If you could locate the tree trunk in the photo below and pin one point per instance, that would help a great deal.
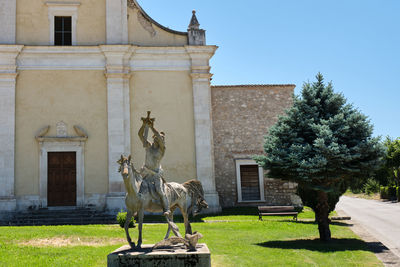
(321, 214)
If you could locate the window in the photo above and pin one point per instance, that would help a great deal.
(250, 182)
(63, 17)
(62, 31)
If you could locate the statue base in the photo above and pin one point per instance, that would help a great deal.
(175, 256)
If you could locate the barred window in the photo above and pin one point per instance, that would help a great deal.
(62, 31)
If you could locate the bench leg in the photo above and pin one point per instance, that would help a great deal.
(260, 217)
(295, 217)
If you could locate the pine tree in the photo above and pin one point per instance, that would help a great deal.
(324, 145)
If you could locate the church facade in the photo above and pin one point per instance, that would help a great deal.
(75, 79)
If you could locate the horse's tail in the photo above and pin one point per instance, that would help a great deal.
(196, 192)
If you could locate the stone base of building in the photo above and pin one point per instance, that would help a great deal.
(146, 257)
(8, 207)
(115, 203)
(8, 204)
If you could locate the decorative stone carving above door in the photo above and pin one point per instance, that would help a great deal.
(61, 128)
(61, 133)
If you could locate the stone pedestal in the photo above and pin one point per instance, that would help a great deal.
(145, 257)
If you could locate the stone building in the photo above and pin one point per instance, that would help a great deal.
(76, 76)
(242, 115)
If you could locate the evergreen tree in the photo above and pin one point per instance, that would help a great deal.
(324, 145)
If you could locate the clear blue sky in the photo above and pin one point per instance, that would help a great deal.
(353, 43)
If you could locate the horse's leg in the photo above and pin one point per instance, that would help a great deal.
(126, 226)
(173, 226)
(140, 215)
(188, 227)
(171, 218)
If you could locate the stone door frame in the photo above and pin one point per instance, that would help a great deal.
(240, 162)
(55, 145)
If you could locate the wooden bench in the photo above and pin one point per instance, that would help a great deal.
(276, 211)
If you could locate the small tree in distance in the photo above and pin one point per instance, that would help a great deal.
(324, 145)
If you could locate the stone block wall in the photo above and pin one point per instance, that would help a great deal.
(242, 115)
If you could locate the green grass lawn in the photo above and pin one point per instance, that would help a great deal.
(239, 240)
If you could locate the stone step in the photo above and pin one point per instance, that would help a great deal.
(61, 217)
(40, 223)
(56, 215)
(60, 222)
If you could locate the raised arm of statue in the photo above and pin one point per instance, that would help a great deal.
(143, 135)
(159, 138)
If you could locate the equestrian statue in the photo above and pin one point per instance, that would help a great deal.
(147, 190)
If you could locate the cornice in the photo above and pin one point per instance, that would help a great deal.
(116, 48)
(201, 76)
(241, 86)
(201, 50)
(8, 76)
(135, 58)
(63, 3)
(61, 50)
(10, 48)
(61, 58)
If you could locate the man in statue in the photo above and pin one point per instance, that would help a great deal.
(151, 170)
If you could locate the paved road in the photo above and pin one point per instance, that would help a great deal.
(381, 219)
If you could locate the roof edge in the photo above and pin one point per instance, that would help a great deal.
(155, 22)
(254, 85)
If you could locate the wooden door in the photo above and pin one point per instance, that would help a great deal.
(61, 179)
(250, 182)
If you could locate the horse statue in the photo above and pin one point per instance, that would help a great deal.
(140, 198)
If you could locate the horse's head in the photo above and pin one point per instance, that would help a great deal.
(125, 165)
(201, 204)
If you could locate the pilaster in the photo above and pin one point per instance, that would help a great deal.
(201, 76)
(8, 13)
(118, 109)
(8, 75)
(116, 21)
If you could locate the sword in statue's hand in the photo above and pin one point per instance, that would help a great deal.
(147, 121)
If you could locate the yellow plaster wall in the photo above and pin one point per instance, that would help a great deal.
(91, 25)
(33, 22)
(168, 95)
(47, 97)
(138, 35)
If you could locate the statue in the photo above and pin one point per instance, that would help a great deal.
(151, 170)
(148, 191)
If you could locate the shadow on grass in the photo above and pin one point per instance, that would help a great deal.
(342, 244)
(313, 222)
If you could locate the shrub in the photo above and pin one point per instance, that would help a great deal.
(121, 218)
(371, 186)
